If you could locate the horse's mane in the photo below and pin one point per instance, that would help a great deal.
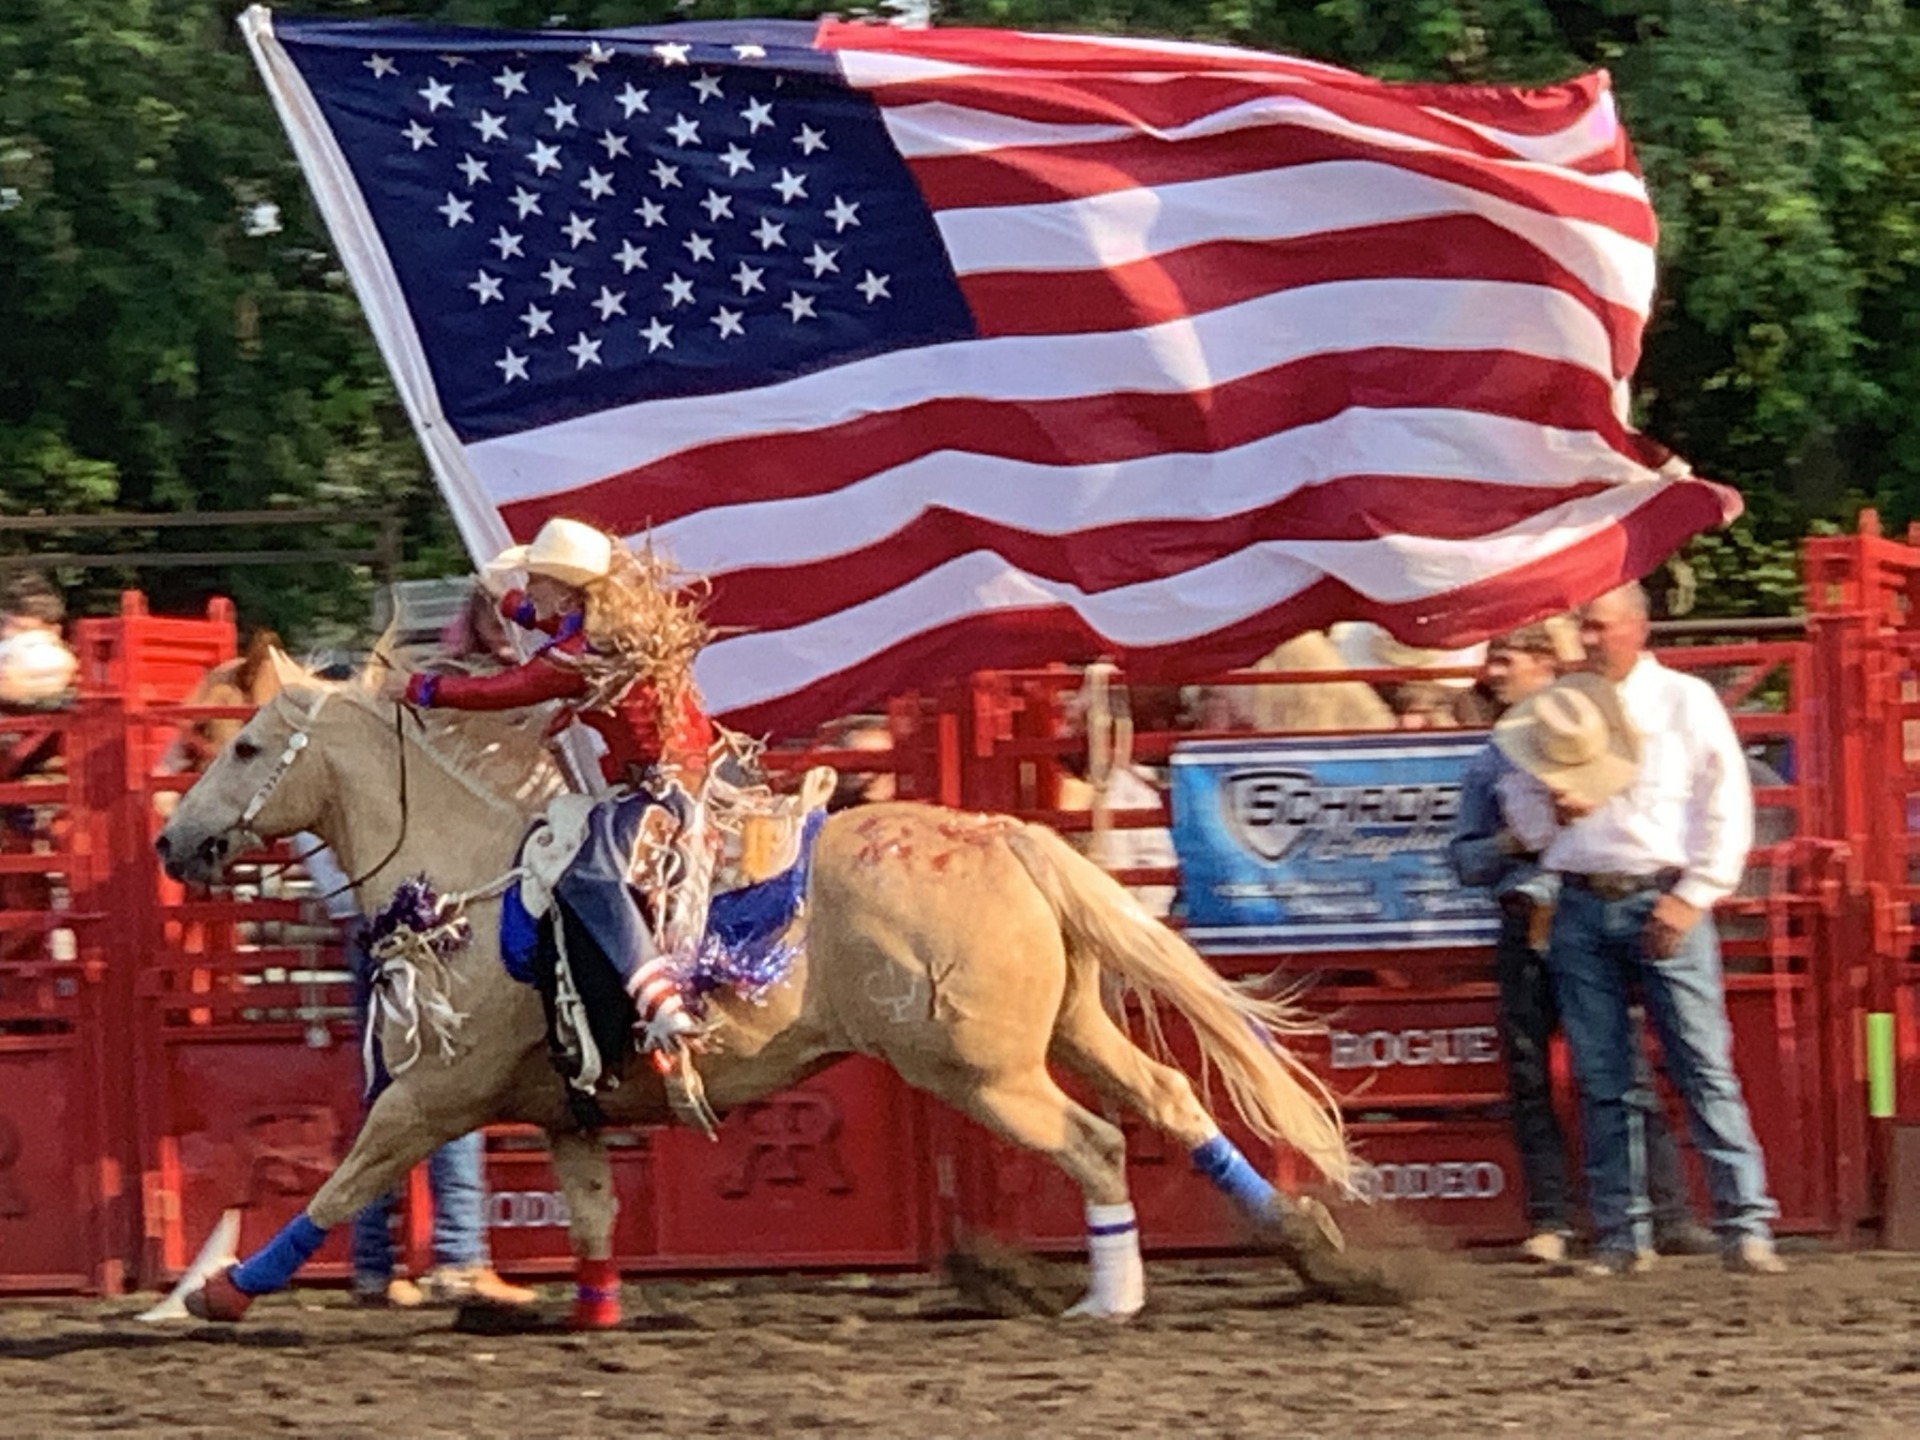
(500, 758)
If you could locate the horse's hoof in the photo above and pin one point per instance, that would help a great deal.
(1089, 1308)
(594, 1313)
(219, 1300)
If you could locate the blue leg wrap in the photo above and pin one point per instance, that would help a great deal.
(272, 1266)
(1220, 1160)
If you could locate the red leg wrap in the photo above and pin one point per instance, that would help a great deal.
(219, 1299)
(596, 1300)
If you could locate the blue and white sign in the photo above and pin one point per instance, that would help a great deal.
(1324, 844)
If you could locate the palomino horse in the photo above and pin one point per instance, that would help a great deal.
(964, 950)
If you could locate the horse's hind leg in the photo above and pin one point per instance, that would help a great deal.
(1088, 1041)
(396, 1136)
(1031, 1110)
(581, 1165)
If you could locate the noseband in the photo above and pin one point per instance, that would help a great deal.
(297, 742)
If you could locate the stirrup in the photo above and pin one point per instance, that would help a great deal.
(686, 1092)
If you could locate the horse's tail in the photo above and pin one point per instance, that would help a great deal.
(1241, 1036)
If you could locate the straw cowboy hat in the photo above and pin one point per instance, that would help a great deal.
(1574, 737)
(566, 550)
(1366, 646)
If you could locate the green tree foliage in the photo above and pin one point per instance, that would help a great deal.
(176, 334)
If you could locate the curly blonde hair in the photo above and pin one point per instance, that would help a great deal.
(644, 616)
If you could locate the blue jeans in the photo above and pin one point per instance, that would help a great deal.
(1599, 959)
(456, 1176)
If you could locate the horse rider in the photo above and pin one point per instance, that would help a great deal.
(621, 641)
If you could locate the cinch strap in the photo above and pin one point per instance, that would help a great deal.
(1220, 1160)
(272, 1267)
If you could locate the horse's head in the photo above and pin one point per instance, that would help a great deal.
(263, 785)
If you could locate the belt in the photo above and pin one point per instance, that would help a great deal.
(1611, 886)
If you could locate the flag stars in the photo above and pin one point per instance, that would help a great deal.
(562, 114)
(770, 232)
(457, 211)
(508, 244)
(381, 66)
(708, 86)
(438, 95)
(874, 287)
(585, 351)
(679, 291)
(651, 213)
(485, 287)
(632, 101)
(614, 145)
(758, 115)
(545, 157)
(657, 335)
(727, 322)
(538, 321)
(578, 231)
(810, 140)
(511, 82)
(843, 214)
(558, 277)
(750, 52)
(512, 367)
(736, 159)
(672, 53)
(524, 202)
(586, 70)
(418, 136)
(799, 306)
(821, 261)
(685, 132)
(491, 127)
(609, 303)
(598, 184)
(474, 170)
(792, 187)
(632, 257)
(666, 176)
(718, 207)
(698, 246)
(747, 277)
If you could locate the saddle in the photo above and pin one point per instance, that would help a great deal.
(759, 881)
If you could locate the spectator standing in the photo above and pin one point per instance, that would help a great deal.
(1485, 853)
(37, 669)
(1634, 786)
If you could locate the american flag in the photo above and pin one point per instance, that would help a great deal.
(941, 350)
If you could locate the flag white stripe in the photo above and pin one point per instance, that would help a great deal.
(1059, 500)
(1189, 355)
(752, 669)
(935, 128)
(1123, 226)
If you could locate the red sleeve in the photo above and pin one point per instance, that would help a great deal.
(531, 683)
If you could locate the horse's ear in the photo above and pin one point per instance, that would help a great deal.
(290, 673)
(380, 662)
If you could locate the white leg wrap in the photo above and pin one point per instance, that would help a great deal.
(1117, 1285)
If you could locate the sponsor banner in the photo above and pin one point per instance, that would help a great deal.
(1324, 844)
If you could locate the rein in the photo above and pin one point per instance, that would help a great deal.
(297, 742)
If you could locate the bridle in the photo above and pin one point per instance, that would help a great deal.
(297, 743)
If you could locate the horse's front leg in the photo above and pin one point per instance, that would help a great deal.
(397, 1136)
(586, 1180)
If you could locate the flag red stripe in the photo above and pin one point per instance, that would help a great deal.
(1045, 174)
(1168, 105)
(1201, 278)
(1535, 111)
(1091, 429)
(1006, 640)
(1353, 508)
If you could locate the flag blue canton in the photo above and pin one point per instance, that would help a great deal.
(583, 221)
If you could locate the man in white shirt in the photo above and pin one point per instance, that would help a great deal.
(1644, 809)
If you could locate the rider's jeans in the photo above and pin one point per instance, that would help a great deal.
(1598, 957)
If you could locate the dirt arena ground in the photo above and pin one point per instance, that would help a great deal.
(1224, 1348)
